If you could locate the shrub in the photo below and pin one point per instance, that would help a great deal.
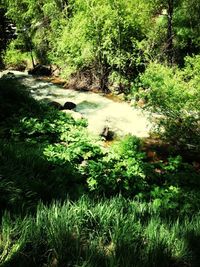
(121, 170)
(41, 149)
(15, 58)
(174, 94)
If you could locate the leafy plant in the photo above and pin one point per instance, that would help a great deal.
(16, 59)
(173, 94)
(119, 171)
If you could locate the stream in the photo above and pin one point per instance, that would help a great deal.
(100, 111)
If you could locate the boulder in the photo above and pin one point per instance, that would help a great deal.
(40, 70)
(20, 67)
(69, 105)
(55, 70)
(55, 104)
(107, 134)
(9, 75)
(141, 102)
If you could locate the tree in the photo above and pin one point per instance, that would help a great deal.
(110, 35)
(33, 21)
(177, 23)
(7, 32)
(187, 29)
(2, 34)
(170, 13)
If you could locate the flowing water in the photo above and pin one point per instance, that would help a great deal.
(100, 111)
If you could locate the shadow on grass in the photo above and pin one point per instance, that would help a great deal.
(192, 239)
(26, 128)
(28, 175)
(75, 252)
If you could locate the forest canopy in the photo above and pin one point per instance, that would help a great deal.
(114, 39)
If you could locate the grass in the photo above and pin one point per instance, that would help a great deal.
(28, 177)
(99, 233)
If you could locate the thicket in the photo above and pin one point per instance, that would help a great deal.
(173, 94)
(112, 41)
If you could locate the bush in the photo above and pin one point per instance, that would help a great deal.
(174, 94)
(41, 149)
(121, 170)
(109, 39)
(16, 59)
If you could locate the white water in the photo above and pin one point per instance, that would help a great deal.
(98, 110)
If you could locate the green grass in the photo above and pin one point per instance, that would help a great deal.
(99, 233)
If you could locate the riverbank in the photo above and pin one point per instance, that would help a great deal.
(119, 98)
(100, 111)
(67, 200)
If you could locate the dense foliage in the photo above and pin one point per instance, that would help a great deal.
(113, 40)
(65, 198)
(47, 154)
(175, 94)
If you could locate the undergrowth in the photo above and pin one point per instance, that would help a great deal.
(67, 201)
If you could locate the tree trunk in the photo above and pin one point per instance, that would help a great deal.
(2, 35)
(170, 11)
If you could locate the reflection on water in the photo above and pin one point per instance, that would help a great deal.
(100, 111)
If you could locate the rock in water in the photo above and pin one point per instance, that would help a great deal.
(107, 134)
(9, 75)
(69, 105)
(40, 70)
(56, 105)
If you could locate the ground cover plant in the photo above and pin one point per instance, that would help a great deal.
(137, 212)
(28, 129)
